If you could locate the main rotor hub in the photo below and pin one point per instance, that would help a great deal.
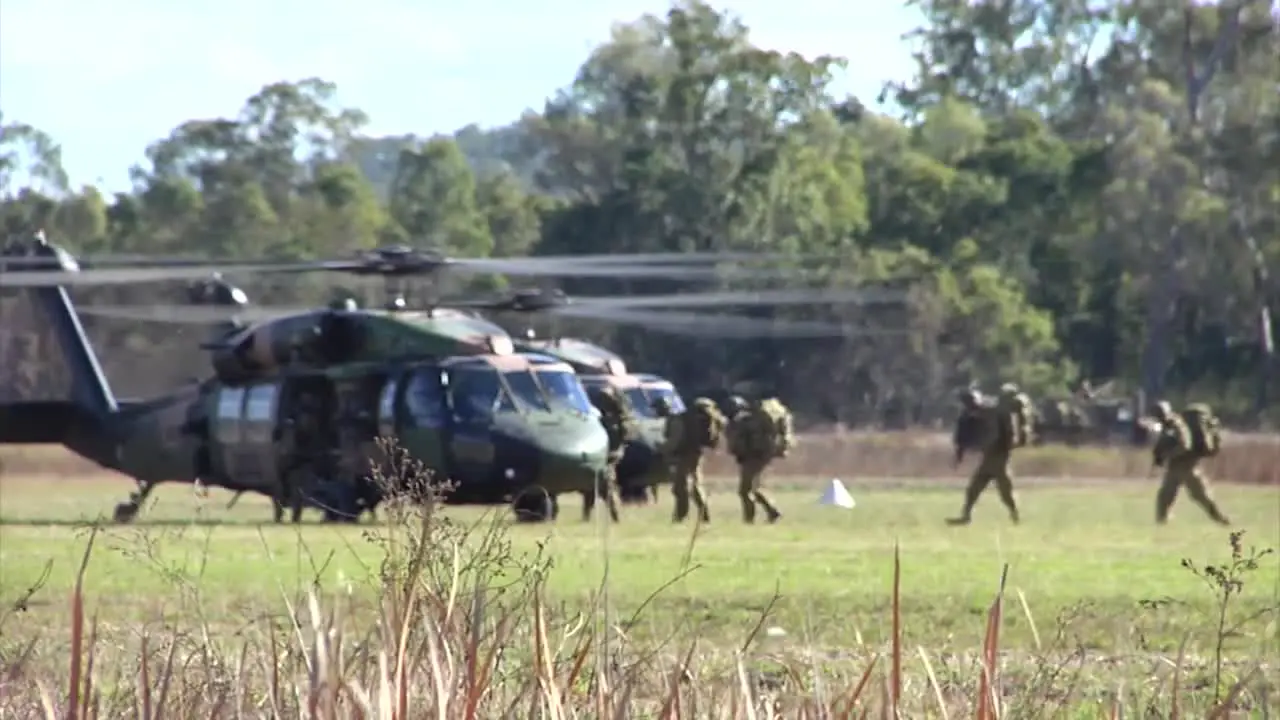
(400, 261)
(535, 300)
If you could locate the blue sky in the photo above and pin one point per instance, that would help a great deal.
(106, 79)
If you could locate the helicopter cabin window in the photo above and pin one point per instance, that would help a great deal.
(424, 399)
(230, 404)
(387, 408)
(259, 413)
(527, 390)
(565, 388)
(477, 393)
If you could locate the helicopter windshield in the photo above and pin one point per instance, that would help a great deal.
(527, 390)
(565, 388)
(477, 394)
(640, 403)
(677, 403)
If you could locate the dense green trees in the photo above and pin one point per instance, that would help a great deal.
(1075, 188)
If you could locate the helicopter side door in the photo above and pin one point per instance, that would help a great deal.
(227, 432)
(419, 417)
(474, 397)
(259, 466)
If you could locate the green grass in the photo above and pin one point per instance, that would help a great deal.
(1084, 569)
(1091, 549)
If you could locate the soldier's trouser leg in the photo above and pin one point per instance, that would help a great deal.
(680, 493)
(695, 493)
(977, 485)
(1198, 488)
(1004, 485)
(750, 480)
(604, 488)
(1168, 492)
(746, 485)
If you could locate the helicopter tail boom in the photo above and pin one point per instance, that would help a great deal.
(52, 389)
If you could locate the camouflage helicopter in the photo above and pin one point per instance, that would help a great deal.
(298, 396)
(598, 367)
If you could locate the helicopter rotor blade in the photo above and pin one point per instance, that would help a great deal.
(190, 314)
(743, 298)
(723, 326)
(528, 267)
(655, 258)
(130, 276)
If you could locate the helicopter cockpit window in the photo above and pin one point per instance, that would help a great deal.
(476, 394)
(677, 403)
(641, 405)
(424, 399)
(566, 389)
(527, 390)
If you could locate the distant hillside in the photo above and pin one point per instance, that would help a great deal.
(489, 151)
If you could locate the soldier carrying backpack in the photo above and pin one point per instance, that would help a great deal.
(620, 425)
(759, 434)
(994, 428)
(686, 436)
(1184, 440)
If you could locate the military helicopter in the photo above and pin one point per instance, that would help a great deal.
(298, 396)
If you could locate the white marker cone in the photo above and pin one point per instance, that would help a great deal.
(837, 494)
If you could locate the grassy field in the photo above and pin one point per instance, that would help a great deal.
(1099, 606)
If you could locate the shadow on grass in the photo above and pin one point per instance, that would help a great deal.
(84, 524)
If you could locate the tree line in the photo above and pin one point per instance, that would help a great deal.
(1074, 190)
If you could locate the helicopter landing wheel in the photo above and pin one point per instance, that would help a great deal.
(533, 505)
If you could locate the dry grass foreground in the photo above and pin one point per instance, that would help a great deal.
(1245, 459)
(466, 616)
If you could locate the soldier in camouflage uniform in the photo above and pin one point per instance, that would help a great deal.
(752, 445)
(1174, 452)
(980, 427)
(620, 425)
(684, 457)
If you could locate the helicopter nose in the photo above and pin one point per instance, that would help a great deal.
(574, 457)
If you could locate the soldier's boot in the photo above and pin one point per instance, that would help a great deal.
(770, 510)
(1210, 507)
(971, 494)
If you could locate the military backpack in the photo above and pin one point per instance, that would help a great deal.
(705, 423)
(1020, 419)
(1205, 429)
(780, 435)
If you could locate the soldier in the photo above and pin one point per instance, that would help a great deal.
(754, 441)
(684, 458)
(1175, 451)
(620, 425)
(982, 428)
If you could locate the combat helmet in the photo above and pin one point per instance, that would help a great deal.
(969, 397)
(1163, 410)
